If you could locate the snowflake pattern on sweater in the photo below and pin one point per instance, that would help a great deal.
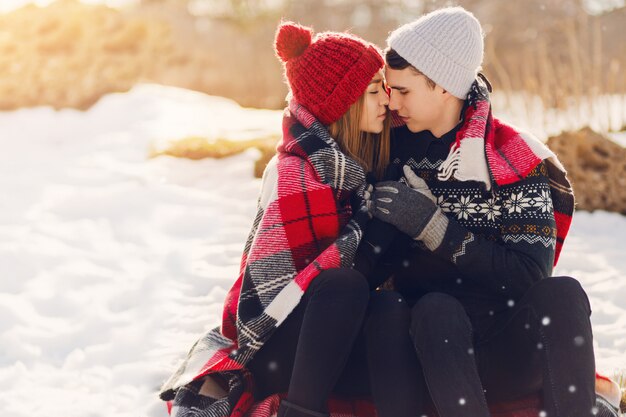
(511, 213)
(503, 237)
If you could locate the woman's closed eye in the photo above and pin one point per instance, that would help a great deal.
(381, 88)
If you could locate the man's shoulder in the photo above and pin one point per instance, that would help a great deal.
(506, 134)
(506, 131)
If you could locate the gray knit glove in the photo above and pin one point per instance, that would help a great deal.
(367, 200)
(413, 210)
(417, 183)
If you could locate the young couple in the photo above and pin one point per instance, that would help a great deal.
(459, 215)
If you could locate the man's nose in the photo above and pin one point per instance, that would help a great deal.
(394, 102)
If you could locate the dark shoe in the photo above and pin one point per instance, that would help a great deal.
(287, 409)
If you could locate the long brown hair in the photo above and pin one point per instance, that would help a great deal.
(370, 150)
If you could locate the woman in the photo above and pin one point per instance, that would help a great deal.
(296, 286)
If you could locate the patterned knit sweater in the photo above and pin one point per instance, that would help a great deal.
(498, 243)
(501, 238)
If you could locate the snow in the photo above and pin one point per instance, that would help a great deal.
(593, 254)
(113, 263)
(619, 137)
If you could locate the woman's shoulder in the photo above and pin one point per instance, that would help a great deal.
(293, 172)
(290, 164)
(284, 174)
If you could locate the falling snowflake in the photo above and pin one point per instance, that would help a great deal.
(545, 321)
(462, 401)
(579, 340)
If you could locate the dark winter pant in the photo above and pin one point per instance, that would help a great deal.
(543, 343)
(323, 348)
(311, 354)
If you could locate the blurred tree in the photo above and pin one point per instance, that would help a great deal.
(236, 11)
(553, 49)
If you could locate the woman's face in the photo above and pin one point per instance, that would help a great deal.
(374, 105)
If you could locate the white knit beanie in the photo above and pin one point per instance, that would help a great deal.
(445, 45)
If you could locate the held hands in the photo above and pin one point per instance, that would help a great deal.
(410, 209)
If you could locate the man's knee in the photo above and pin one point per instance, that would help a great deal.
(438, 315)
(560, 294)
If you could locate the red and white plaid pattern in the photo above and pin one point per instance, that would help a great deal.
(304, 225)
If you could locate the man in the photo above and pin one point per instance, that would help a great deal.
(483, 219)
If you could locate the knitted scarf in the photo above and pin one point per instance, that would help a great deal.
(304, 225)
(490, 151)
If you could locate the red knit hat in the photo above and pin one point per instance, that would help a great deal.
(326, 74)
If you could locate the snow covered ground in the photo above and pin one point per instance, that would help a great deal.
(112, 263)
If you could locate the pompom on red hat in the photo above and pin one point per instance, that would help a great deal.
(328, 73)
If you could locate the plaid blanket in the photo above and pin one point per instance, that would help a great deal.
(304, 225)
(529, 406)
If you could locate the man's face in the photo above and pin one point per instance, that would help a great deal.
(419, 105)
